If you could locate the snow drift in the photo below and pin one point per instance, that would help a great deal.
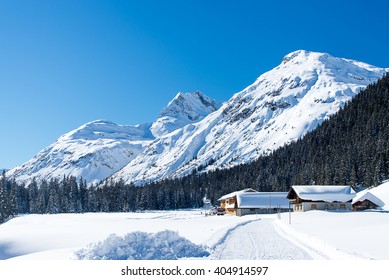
(163, 245)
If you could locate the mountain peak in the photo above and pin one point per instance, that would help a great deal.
(183, 109)
(298, 53)
(190, 105)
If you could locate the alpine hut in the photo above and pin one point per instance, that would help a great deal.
(304, 198)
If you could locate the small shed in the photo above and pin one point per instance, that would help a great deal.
(366, 200)
(314, 197)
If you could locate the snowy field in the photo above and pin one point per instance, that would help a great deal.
(191, 234)
(339, 235)
(58, 236)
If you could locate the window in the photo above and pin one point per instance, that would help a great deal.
(313, 206)
(326, 206)
(343, 206)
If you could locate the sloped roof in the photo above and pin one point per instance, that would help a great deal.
(366, 194)
(236, 193)
(262, 200)
(323, 193)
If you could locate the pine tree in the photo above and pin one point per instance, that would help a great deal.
(53, 202)
(33, 196)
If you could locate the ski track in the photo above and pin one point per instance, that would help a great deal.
(257, 240)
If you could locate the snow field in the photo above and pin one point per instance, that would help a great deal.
(58, 236)
(338, 235)
(190, 234)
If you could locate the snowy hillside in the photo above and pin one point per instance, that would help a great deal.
(281, 106)
(98, 149)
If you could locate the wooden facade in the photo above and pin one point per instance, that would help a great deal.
(364, 205)
(229, 201)
(366, 200)
(305, 198)
(249, 201)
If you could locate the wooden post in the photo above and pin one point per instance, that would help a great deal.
(290, 214)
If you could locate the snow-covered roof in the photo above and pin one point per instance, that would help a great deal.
(366, 194)
(382, 191)
(262, 200)
(230, 195)
(323, 193)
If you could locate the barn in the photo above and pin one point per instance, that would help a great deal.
(314, 197)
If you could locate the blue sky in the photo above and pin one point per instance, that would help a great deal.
(64, 63)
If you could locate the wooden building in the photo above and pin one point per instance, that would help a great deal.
(365, 200)
(249, 201)
(228, 201)
(261, 203)
(305, 198)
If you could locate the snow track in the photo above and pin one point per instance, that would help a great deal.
(258, 240)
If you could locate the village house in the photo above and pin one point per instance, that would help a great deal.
(228, 201)
(366, 200)
(305, 198)
(250, 201)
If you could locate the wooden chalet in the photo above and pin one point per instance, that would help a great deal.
(228, 201)
(365, 200)
(250, 201)
(305, 198)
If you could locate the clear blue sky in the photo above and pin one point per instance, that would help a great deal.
(64, 63)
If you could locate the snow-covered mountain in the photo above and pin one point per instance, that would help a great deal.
(93, 151)
(182, 110)
(195, 133)
(98, 149)
(281, 106)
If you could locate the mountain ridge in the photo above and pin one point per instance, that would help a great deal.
(280, 107)
(99, 148)
(195, 133)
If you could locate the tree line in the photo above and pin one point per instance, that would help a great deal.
(70, 195)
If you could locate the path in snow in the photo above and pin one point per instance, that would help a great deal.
(258, 240)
